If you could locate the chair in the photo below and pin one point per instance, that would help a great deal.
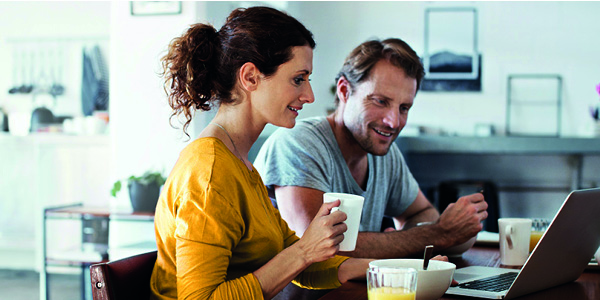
(127, 278)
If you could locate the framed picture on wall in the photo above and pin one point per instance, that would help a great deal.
(451, 57)
(152, 8)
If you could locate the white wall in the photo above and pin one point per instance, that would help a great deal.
(41, 171)
(514, 38)
(141, 136)
(40, 29)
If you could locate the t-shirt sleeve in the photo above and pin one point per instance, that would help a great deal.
(299, 159)
(321, 275)
(404, 191)
(206, 231)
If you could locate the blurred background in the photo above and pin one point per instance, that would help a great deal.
(82, 105)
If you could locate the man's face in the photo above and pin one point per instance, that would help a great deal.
(376, 109)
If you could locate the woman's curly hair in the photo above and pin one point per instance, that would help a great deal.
(201, 66)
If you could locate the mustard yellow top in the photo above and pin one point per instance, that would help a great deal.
(215, 225)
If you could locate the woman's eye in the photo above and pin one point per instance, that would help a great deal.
(298, 80)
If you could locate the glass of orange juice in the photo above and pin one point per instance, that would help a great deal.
(387, 283)
(538, 227)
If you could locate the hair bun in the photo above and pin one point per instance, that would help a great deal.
(202, 35)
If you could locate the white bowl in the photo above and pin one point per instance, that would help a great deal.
(431, 283)
(458, 250)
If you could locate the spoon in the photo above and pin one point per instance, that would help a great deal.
(427, 257)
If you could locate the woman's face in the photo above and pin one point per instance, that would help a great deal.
(279, 98)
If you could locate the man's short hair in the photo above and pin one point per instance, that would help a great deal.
(361, 60)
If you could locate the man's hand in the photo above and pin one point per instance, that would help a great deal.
(462, 220)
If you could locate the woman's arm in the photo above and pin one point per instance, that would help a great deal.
(353, 268)
(319, 242)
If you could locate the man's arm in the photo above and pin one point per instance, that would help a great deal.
(459, 222)
(298, 206)
(421, 210)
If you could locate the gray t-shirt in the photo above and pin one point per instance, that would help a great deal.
(308, 156)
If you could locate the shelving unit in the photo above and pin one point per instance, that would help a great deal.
(94, 247)
(534, 105)
(533, 174)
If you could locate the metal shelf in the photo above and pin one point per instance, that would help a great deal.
(79, 258)
(505, 145)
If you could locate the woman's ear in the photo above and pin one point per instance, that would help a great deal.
(343, 89)
(249, 76)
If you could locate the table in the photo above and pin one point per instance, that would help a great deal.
(587, 286)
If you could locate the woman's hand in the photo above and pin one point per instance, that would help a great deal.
(440, 258)
(324, 234)
(320, 242)
(445, 258)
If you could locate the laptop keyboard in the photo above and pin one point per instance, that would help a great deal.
(495, 283)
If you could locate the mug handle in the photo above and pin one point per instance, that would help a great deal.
(509, 231)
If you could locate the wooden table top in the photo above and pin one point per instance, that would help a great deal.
(587, 286)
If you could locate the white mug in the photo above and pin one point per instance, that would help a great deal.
(352, 206)
(514, 240)
(19, 123)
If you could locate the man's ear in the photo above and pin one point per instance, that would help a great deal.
(249, 76)
(343, 89)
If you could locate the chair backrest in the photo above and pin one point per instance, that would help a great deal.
(127, 278)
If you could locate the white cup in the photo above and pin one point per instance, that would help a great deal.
(19, 123)
(514, 240)
(93, 125)
(352, 206)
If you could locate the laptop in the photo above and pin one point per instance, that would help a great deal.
(561, 255)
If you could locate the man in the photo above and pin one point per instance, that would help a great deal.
(353, 151)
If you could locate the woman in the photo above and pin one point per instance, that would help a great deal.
(218, 235)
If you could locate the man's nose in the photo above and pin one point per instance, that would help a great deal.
(392, 119)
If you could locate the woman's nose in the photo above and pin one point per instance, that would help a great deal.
(307, 95)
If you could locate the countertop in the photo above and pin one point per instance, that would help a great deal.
(431, 144)
(54, 138)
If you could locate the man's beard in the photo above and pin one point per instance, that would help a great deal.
(365, 141)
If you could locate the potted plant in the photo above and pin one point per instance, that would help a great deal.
(143, 190)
